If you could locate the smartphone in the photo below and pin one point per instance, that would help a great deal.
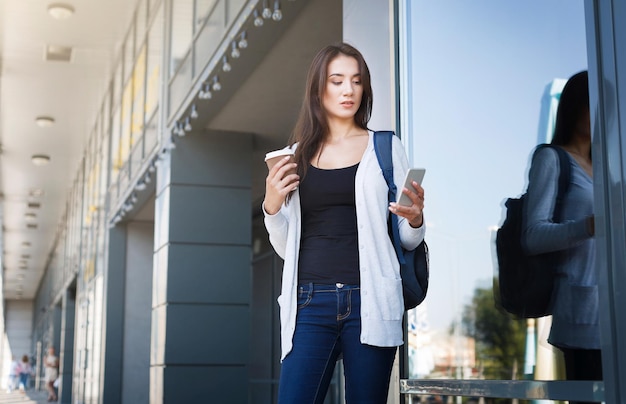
(414, 174)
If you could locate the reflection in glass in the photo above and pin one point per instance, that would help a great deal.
(204, 9)
(182, 32)
(476, 74)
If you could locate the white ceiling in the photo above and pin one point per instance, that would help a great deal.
(68, 92)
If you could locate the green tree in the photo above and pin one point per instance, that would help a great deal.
(500, 338)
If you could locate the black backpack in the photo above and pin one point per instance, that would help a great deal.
(525, 282)
(414, 264)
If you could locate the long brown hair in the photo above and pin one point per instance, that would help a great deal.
(574, 102)
(312, 125)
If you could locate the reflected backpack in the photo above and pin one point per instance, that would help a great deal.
(525, 282)
(414, 264)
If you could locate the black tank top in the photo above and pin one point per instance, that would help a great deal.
(329, 242)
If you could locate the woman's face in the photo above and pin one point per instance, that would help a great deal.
(343, 93)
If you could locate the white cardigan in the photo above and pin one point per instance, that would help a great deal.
(382, 305)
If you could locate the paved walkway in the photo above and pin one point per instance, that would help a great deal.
(31, 397)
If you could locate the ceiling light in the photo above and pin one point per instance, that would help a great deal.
(234, 53)
(258, 20)
(205, 92)
(277, 15)
(225, 65)
(30, 216)
(44, 121)
(216, 86)
(243, 42)
(26, 244)
(194, 112)
(267, 12)
(35, 193)
(58, 53)
(140, 186)
(60, 11)
(40, 159)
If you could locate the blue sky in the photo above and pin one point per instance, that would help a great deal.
(478, 73)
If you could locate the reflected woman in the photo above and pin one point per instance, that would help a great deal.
(575, 326)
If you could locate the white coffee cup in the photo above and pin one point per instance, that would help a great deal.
(275, 156)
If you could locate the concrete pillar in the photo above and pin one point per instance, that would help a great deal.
(113, 325)
(66, 353)
(137, 313)
(202, 271)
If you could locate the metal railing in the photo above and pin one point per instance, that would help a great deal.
(513, 389)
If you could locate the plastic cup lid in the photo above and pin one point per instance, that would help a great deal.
(278, 153)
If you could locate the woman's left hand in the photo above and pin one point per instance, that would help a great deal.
(414, 213)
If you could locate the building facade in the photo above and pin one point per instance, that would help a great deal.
(161, 283)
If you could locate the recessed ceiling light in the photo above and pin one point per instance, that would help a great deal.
(40, 159)
(57, 53)
(30, 216)
(26, 244)
(60, 11)
(36, 192)
(44, 121)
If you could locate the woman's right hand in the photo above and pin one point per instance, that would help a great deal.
(279, 184)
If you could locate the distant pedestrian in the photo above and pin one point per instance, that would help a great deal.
(14, 374)
(51, 363)
(25, 372)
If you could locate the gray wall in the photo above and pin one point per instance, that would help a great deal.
(137, 313)
(202, 271)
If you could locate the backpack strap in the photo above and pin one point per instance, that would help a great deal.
(564, 177)
(382, 146)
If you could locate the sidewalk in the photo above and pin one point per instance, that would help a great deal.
(31, 397)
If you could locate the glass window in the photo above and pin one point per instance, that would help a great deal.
(129, 52)
(155, 52)
(210, 37)
(142, 23)
(139, 95)
(204, 9)
(126, 120)
(479, 77)
(182, 32)
(117, 86)
(116, 158)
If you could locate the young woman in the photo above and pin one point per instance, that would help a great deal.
(25, 372)
(51, 363)
(341, 288)
(575, 326)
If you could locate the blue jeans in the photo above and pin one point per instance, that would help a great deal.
(328, 325)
